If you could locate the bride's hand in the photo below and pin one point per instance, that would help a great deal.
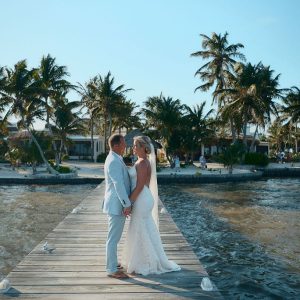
(127, 211)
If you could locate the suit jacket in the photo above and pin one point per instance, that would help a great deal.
(117, 185)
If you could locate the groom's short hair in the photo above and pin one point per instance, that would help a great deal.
(115, 139)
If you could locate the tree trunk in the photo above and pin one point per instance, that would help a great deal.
(49, 168)
(296, 139)
(253, 139)
(60, 150)
(92, 138)
(105, 135)
(245, 135)
(33, 165)
(51, 134)
(192, 156)
(233, 131)
(202, 149)
(167, 155)
(110, 124)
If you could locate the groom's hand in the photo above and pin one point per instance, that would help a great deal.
(127, 211)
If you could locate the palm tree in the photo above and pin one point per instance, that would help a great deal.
(231, 155)
(127, 116)
(89, 101)
(164, 114)
(252, 92)
(2, 79)
(66, 122)
(276, 135)
(24, 103)
(221, 63)
(3, 83)
(50, 82)
(292, 104)
(291, 110)
(196, 127)
(107, 100)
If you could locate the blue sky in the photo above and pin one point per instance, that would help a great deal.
(147, 44)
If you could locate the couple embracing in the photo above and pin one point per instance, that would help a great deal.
(133, 192)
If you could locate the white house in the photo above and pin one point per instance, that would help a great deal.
(81, 147)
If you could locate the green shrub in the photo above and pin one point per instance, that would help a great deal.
(101, 157)
(3, 149)
(51, 162)
(59, 169)
(296, 157)
(65, 157)
(231, 155)
(63, 169)
(257, 159)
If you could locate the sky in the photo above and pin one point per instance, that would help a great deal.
(146, 45)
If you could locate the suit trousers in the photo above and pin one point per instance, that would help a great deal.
(115, 229)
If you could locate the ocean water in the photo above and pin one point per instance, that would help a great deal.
(29, 213)
(247, 235)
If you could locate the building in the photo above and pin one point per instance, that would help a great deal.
(81, 147)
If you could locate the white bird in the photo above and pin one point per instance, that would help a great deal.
(4, 286)
(163, 211)
(206, 284)
(75, 210)
(48, 248)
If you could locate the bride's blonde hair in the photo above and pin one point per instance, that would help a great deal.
(143, 140)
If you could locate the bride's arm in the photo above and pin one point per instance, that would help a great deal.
(141, 170)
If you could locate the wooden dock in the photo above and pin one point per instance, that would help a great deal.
(76, 268)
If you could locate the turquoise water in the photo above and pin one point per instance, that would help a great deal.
(247, 235)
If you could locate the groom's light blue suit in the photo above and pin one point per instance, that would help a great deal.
(117, 189)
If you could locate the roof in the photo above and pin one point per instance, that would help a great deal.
(84, 137)
(136, 132)
(20, 135)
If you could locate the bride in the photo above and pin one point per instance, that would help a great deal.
(143, 251)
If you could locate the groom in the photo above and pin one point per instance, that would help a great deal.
(116, 203)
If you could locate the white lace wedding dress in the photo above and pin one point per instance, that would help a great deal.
(143, 250)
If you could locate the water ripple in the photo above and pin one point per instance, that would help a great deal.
(237, 231)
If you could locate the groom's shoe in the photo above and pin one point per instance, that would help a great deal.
(118, 275)
(120, 267)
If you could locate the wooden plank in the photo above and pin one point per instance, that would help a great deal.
(76, 268)
(94, 266)
(190, 267)
(167, 295)
(185, 277)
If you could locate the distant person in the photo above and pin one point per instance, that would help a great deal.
(177, 163)
(278, 156)
(172, 165)
(282, 155)
(290, 154)
(202, 162)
